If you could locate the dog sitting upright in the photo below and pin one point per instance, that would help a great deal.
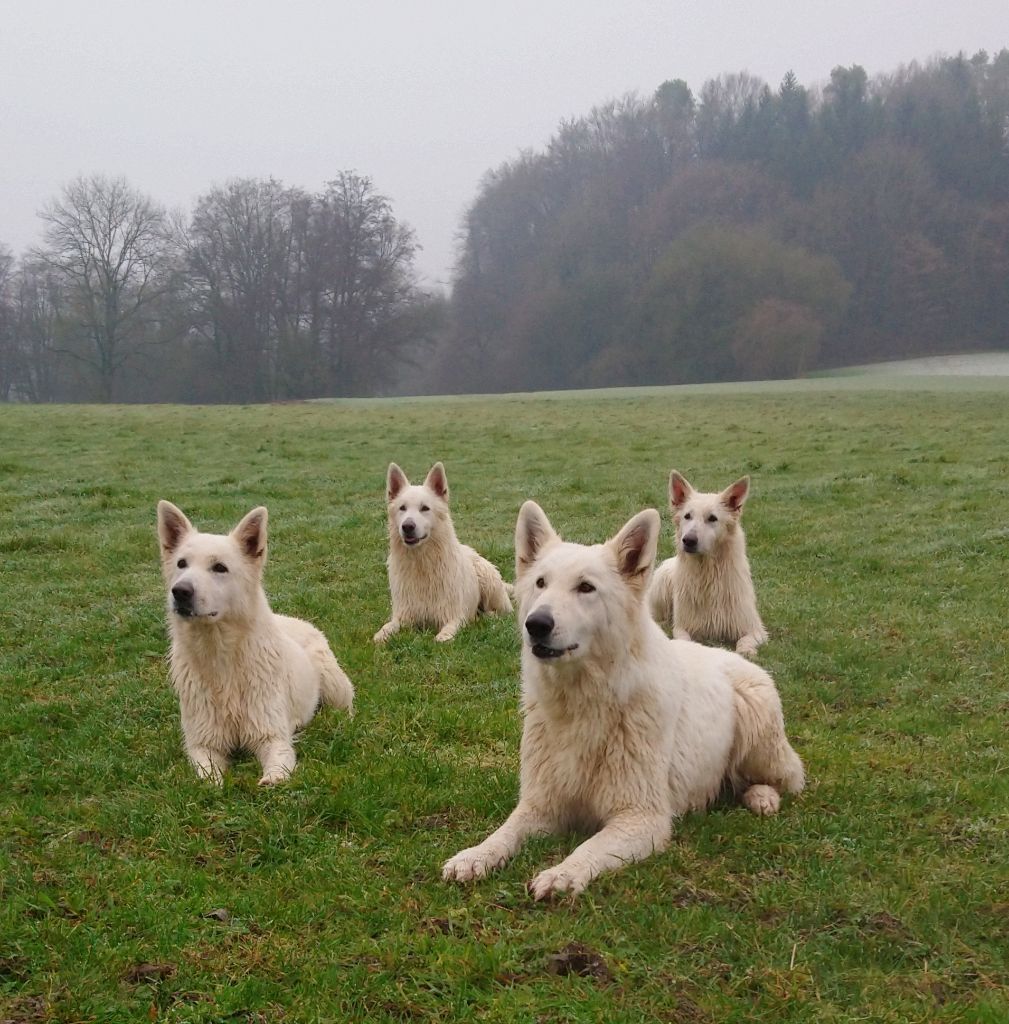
(706, 593)
(433, 579)
(246, 678)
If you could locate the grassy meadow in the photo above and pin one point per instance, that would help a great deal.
(131, 891)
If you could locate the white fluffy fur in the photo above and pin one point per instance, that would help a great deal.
(434, 581)
(706, 594)
(624, 729)
(246, 678)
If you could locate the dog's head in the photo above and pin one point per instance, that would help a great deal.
(211, 577)
(415, 511)
(705, 521)
(577, 601)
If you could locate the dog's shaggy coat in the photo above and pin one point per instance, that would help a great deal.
(246, 678)
(705, 593)
(433, 579)
(624, 728)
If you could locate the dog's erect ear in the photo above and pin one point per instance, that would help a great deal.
(395, 481)
(734, 496)
(251, 533)
(172, 526)
(533, 533)
(679, 489)
(635, 545)
(437, 481)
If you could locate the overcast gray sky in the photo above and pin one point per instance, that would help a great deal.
(424, 97)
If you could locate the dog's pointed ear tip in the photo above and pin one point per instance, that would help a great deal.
(172, 517)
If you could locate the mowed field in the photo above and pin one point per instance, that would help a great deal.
(131, 891)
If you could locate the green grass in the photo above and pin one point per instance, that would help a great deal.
(878, 537)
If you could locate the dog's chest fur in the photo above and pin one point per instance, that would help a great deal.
(594, 758)
(713, 596)
(433, 583)
(233, 689)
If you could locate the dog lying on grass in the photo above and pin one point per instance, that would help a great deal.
(705, 593)
(433, 579)
(624, 729)
(246, 678)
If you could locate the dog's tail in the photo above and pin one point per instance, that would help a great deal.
(495, 594)
(335, 687)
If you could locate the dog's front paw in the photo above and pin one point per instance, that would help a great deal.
(468, 865)
(384, 633)
(446, 634)
(747, 647)
(680, 634)
(207, 766)
(210, 773)
(560, 879)
(271, 776)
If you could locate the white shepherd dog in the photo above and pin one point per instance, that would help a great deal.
(625, 729)
(705, 593)
(246, 678)
(433, 579)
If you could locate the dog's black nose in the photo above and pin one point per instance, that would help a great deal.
(690, 543)
(540, 624)
(183, 593)
(409, 528)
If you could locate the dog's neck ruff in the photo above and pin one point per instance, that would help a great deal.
(433, 548)
(733, 542)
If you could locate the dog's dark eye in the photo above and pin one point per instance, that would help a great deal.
(424, 508)
(182, 563)
(689, 515)
(218, 567)
(402, 508)
(541, 583)
(712, 519)
(586, 588)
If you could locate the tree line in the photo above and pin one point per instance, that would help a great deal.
(746, 232)
(265, 292)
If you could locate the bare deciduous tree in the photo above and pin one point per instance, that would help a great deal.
(109, 246)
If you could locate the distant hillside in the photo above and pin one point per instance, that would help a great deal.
(977, 364)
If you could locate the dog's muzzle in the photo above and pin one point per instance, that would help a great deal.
(408, 531)
(539, 625)
(690, 544)
(184, 603)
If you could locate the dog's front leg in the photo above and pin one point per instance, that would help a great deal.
(499, 847)
(278, 761)
(747, 645)
(622, 840)
(209, 764)
(680, 634)
(449, 630)
(388, 630)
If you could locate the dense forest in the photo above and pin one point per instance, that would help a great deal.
(745, 232)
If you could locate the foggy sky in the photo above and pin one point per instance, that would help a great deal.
(423, 97)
